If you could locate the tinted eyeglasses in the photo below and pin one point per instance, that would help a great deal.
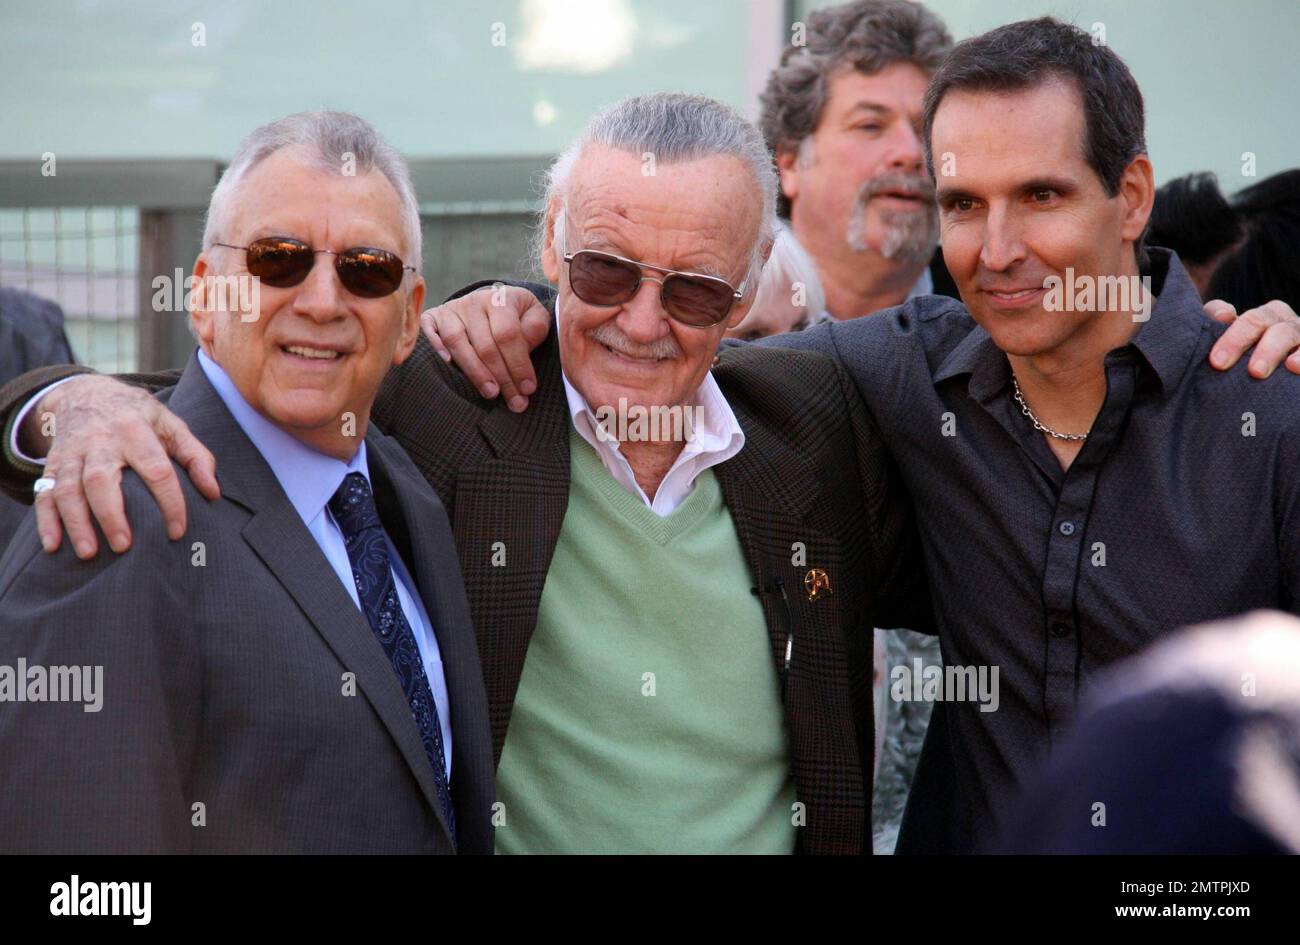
(282, 262)
(691, 298)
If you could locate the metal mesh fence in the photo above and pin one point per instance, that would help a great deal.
(86, 259)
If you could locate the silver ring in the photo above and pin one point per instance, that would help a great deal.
(44, 484)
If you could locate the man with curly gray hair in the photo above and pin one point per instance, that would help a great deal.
(842, 115)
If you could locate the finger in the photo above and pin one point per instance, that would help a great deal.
(102, 479)
(47, 521)
(184, 447)
(147, 457)
(430, 328)
(451, 327)
(535, 325)
(1221, 311)
(1280, 341)
(70, 499)
(512, 354)
(485, 346)
(1234, 342)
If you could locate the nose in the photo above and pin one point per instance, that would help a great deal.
(642, 317)
(320, 295)
(905, 150)
(1002, 247)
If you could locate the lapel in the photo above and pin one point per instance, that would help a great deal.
(513, 503)
(280, 539)
(769, 478)
(405, 500)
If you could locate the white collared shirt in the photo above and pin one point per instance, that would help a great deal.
(715, 439)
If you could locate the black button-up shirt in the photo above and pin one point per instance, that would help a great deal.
(1182, 506)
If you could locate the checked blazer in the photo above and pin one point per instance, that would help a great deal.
(812, 489)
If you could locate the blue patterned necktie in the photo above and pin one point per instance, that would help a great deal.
(353, 507)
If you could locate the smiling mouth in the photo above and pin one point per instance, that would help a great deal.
(629, 357)
(1017, 296)
(311, 354)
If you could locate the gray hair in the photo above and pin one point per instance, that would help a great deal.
(787, 267)
(866, 36)
(331, 141)
(676, 128)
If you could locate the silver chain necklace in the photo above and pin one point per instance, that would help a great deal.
(1038, 424)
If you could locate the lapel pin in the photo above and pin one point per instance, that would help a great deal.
(816, 581)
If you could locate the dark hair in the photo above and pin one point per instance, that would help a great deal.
(1266, 265)
(1026, 54)
(866, 36)
(1193, 218)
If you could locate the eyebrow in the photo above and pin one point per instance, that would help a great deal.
(865, 106)
(1062, 184)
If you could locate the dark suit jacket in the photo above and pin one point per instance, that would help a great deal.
(813, 470)
(31, 336)
(227, 660)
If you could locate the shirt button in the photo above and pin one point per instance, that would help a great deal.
(1066, 528)
(1060, 630)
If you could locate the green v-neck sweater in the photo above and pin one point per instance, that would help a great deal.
(648, 717)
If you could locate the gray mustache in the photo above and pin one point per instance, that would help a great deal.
(909, 184)
(607, 334)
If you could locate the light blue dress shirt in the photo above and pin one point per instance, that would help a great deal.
(310, 478)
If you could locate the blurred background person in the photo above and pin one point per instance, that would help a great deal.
(31, 336)
(1193, 218)
(1244, 249)
(841, 113)
(1191, 747)
(1265, 264)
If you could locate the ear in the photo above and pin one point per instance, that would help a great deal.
(410, 322)
(1137, 191)
(751, 291)
(787, 166)
(552, 255)
(201, 317)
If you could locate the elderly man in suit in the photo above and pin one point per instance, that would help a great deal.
(299, 674)
(675, 561)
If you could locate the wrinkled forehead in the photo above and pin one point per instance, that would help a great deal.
(316, 201)
(710, 206)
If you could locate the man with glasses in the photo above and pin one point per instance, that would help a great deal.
(299, 674)
(674, 618)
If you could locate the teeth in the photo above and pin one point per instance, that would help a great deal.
(318, 353)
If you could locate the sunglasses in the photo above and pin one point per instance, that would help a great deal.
(282, 262)
(688, 297)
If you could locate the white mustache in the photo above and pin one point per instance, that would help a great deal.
(606, 333)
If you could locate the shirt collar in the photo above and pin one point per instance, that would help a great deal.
(308, 477)
(719, 432)
(1167, 340)
(1170, 339)
(924, 285)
